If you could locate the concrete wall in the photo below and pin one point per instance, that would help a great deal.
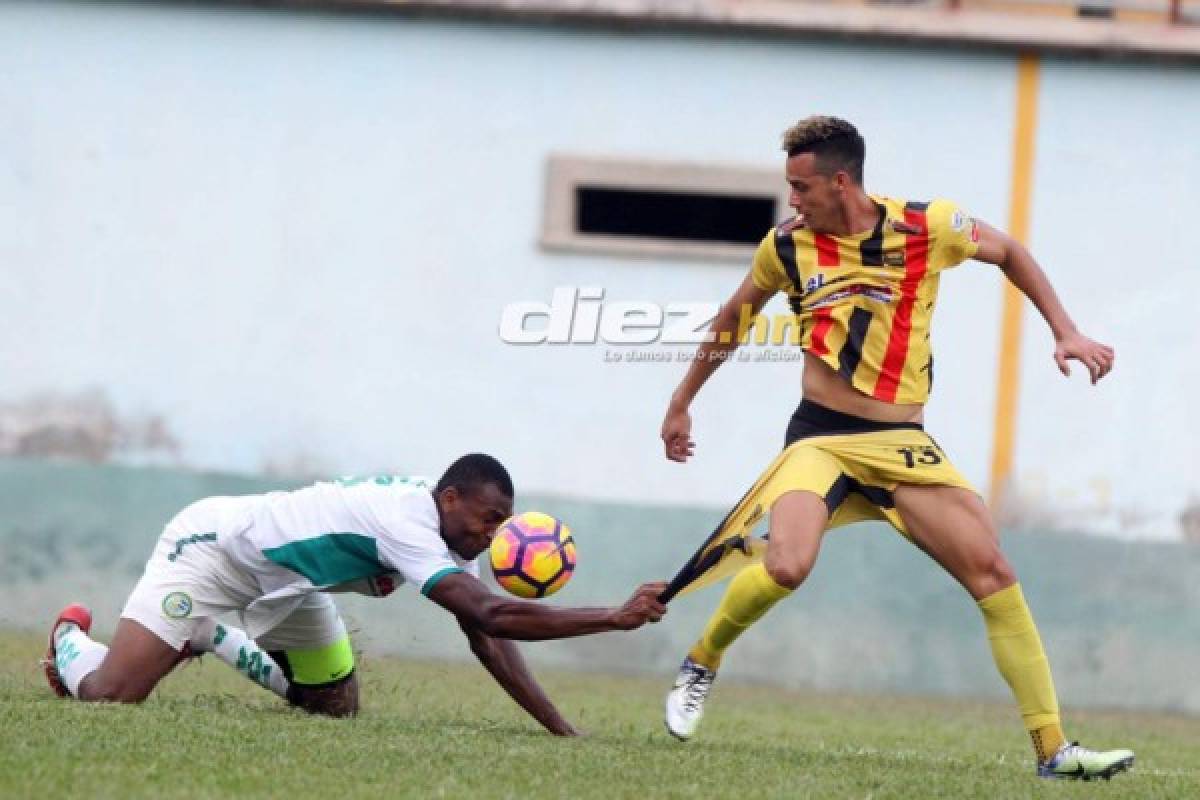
(292, 235)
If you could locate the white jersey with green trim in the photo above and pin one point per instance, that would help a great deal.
(364, 535)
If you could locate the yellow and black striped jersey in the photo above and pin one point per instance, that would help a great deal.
(865, 301)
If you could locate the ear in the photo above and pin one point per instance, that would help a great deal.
(449, 497)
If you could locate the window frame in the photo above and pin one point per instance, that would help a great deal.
(566, 172)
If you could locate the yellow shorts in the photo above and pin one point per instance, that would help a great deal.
(857, 473)
(853, 463)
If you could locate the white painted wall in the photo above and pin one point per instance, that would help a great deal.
(293, 234)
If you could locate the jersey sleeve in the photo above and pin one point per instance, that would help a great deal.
(422, 564)
(954, 234)
(767, 270)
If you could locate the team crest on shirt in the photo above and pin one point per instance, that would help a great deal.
(383, 585)
(893, 258)
(177, 605)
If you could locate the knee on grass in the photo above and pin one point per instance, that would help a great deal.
(101, 688)
(340, 700)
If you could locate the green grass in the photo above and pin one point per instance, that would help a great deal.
(436, 730)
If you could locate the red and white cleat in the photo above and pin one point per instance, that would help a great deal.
(78, 614)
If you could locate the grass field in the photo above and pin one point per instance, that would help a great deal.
(435, 730)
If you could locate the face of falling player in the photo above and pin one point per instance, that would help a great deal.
(470, 516)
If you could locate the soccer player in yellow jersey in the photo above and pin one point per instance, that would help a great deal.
(861, 273)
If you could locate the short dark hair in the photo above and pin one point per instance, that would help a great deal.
(473, 471)
(836, 144)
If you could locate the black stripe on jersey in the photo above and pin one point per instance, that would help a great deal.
(916, 206)
(871, 250)
(856, 334)
(785, 248)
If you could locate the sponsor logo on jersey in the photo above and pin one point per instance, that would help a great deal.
(893, 258)
(881, 293)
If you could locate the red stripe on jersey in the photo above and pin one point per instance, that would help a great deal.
(916, 260)
(827, 250)
(822, 322)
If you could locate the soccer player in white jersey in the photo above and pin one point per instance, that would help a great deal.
(273, 558)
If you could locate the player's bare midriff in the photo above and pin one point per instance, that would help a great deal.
(825, 386)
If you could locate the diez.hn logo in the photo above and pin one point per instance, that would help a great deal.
(581, 316)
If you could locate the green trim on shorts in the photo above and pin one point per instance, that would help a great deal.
(436, 577)
(321, 665)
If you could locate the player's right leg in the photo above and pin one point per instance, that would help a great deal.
(188, 579)
(125, 671)
(798, 520)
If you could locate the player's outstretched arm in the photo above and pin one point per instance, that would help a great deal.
(677, 425)
(997, 247)
(476, 607)
(503, 660)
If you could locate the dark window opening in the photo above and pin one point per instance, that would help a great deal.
(734, 219)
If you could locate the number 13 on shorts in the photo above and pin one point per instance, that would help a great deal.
(920, 455)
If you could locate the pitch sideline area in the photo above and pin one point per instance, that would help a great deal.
(446, 730)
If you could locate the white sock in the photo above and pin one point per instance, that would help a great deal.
(76, 656)
(239, 651)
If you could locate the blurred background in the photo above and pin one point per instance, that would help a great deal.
(246, 245)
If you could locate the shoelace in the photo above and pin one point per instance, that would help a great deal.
(1068, 750)
(696, 689)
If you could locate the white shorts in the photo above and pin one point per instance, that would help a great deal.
(190, 578)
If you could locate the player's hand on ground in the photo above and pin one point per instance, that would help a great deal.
(566, 729)
(1098, 358)
(676, 435)
(641, 608)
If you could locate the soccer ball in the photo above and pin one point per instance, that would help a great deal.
(533, 554)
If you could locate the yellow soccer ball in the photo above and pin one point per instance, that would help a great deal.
(533, 554)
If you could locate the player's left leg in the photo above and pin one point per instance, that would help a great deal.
(335, 699)
(312, 648)
(953, 526)
(232, 646)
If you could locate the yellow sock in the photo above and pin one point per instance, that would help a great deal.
(1019, 656)
(751, 594)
